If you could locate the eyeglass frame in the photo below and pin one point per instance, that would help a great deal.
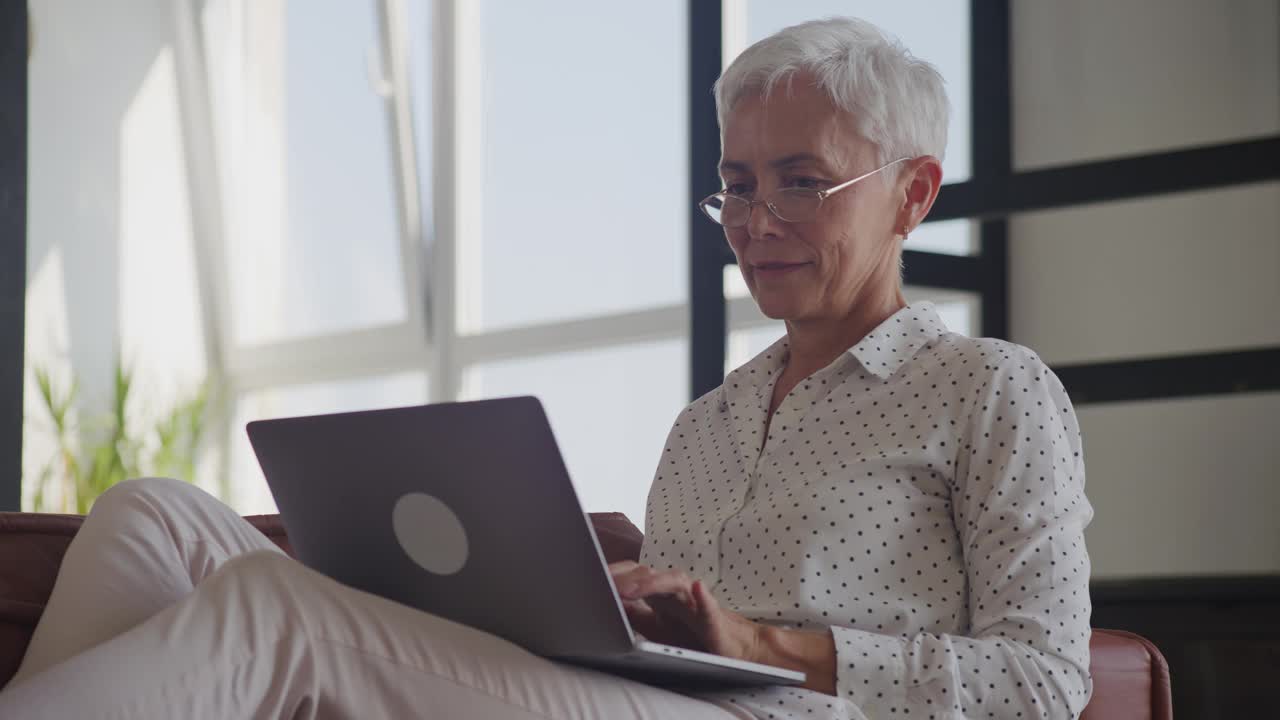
(822, 196)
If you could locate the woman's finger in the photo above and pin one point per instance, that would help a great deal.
(705, 603)
(706, 609)
(622, 566)
(675, 607)
(637, 608)
(655, 583)
(628, 574)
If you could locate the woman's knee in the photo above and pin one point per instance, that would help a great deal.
(266, 589)
(145, 493)
(265, 575)
(261, 565)
(254, 600)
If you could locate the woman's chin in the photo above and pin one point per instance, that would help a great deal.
(778, 308)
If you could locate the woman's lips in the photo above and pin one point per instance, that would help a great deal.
(775, 270)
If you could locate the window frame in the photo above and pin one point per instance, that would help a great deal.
(993, 193)
(429, 340)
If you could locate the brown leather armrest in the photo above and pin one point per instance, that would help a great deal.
(1130, 678)
(619, 538)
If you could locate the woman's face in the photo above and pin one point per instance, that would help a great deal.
(818, 270)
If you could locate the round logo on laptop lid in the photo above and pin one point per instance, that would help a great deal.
(430, 533)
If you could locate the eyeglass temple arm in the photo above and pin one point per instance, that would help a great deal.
(863, 176)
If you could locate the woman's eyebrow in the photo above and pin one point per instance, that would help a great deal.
(796, 159)
(803, 158)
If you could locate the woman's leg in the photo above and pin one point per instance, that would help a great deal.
(144, 546)
(265, 637)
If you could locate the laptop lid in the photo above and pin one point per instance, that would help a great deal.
(464, 510)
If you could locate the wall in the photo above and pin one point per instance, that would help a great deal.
(1188, 486)
(110, 268)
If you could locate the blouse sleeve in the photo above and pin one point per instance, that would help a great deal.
(1019, 506)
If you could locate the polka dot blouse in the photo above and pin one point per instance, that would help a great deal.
(922, 496)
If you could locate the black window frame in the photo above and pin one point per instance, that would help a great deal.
(13, 249)
(993, 193)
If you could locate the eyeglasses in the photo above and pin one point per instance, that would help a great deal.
(794, 205)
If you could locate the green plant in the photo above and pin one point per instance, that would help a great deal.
(88, 458)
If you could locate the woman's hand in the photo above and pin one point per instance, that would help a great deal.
(669, 607)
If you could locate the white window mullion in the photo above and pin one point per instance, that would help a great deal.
(313, 359)
(733, 33)
(208, 214)
(395, 68)
(444, 374)
(199, 150)
(664, 323)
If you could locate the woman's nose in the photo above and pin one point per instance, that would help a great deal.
(761, 222)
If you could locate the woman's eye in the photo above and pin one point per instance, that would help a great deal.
(737, 189)
(806, 183)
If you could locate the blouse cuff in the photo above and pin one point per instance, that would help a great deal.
(869, 668)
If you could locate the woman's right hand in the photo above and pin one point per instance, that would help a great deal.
(668, 619)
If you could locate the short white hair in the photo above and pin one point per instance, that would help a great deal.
(898, 101)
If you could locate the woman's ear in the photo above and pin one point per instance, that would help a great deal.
(924, 180)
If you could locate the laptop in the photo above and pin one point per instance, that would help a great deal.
(465, 510)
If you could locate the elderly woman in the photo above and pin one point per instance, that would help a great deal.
(893, 508)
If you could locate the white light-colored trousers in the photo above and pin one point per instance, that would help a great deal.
(169, 605)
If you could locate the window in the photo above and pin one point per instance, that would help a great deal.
(387, 202)
(952, 237)
(556, 273)
(303, 109)
(247, 489)
(943, 41)
(610, 409)
(750, 342)
(751, 332)
(958, 314)
(580, 198)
